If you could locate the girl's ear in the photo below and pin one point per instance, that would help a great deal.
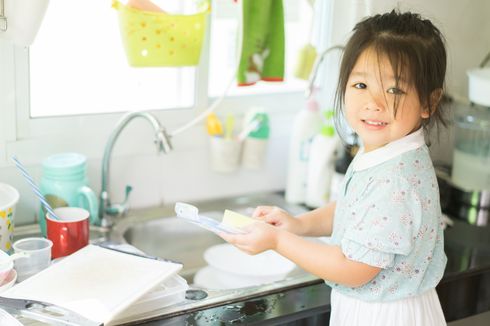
(435, 98)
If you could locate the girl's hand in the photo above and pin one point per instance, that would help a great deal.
(259, 237)
(279, 218)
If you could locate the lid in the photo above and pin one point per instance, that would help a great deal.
(263, 130)
(473, 117)
(64, 164)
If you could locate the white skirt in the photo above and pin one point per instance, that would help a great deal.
(421, 310)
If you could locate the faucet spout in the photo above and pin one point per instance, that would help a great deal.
(162, 141)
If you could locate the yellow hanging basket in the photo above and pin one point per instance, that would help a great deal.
(156, 39)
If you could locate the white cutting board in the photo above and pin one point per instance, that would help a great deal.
(97, 283)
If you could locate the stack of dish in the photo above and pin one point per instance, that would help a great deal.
(230, 268)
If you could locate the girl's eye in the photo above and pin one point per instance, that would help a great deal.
(360, 85)
(395, 91)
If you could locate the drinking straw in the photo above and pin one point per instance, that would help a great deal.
(34, 187)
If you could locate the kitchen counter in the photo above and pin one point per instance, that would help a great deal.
(464, 291)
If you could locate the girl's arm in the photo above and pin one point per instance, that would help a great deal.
(325, 261)
(318, 222)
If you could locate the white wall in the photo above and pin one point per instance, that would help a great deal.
(185, 173)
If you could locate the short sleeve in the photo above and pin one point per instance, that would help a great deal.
(383, 222)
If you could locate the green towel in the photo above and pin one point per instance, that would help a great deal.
(262, 56)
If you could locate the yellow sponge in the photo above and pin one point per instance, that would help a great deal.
(236, 220)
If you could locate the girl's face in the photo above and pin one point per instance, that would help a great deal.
(370, 95)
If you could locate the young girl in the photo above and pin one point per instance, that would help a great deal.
(386, 251)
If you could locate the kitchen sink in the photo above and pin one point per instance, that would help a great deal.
(158, 232)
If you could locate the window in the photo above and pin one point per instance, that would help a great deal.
(78, 66)
(224, 46)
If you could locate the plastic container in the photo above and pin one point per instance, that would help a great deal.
(64, 183)
(9, 197)
(321, 165)
(307, 124)
(471, 156)
(255, 145)
(225, 154)
(39, 250)
(168, 293)
(479, 85)
(155, 39)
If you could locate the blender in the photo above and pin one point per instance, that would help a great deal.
(470, 194)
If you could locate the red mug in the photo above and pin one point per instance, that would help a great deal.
(70, 232)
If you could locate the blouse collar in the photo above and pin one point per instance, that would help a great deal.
(410, 142)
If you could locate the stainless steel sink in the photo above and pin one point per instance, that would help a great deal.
(157, 232)
(173, 239)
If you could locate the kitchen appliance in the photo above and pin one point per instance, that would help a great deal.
(473, 207)
(469, 196)
(471, 156)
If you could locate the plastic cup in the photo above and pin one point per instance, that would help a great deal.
(70, 233)
(9, 197)
(39, 251)
(225, 154)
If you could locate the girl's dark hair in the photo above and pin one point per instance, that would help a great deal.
(415, 49)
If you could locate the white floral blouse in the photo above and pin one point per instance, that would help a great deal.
(388, 215)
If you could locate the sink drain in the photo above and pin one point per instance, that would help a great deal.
(195, 294)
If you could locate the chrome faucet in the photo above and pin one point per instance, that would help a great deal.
(107, 210)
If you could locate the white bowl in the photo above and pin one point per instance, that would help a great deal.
(479, 86)
(228, 258)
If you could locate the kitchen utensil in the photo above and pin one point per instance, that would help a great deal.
(44, 312)
(38, 257)
(230, 259)
(479, 83)
(213, 125)
(94, 282)
(225, 154)
(7, 263)
(229, 124)
(252, 126)
(133, 251)
(471, 156)
(64, 183)
(9, 196)
(478, 86)
(190, 213)
(70, 233)
(9, 281)
(34, 187)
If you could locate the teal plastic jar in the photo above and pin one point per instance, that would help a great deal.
(64, 183)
